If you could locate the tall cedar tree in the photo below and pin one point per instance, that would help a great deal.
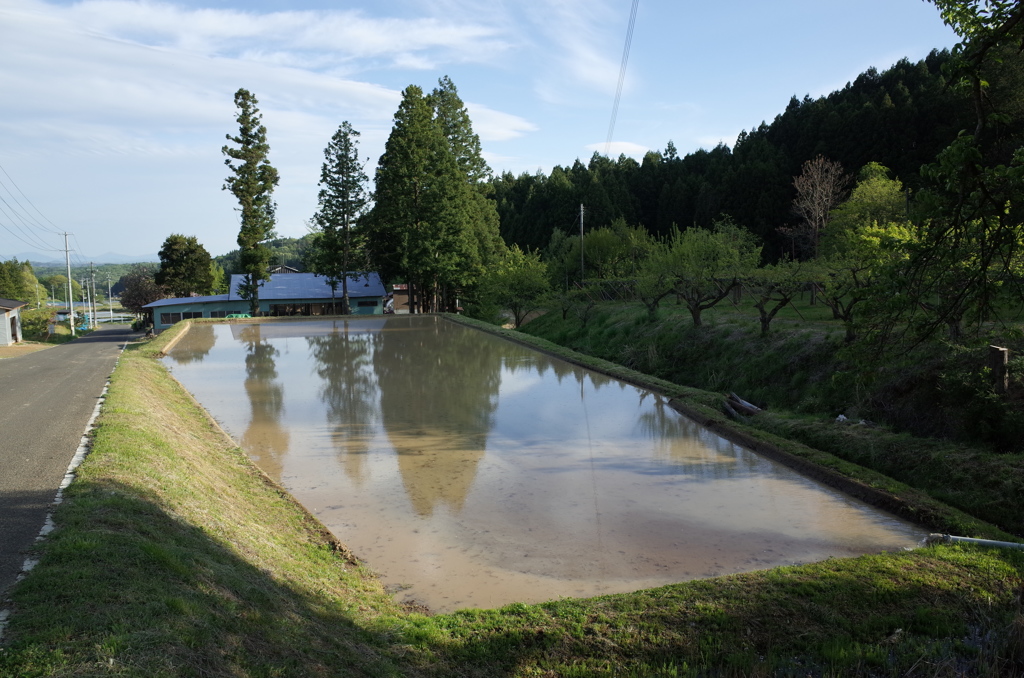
(486, 246)
(417, 230)
(342, 199)
(185, 267)
(252, 182)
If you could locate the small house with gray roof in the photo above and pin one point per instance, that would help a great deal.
(285, 294)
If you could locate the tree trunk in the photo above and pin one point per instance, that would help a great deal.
(695, 314)
(851, 332)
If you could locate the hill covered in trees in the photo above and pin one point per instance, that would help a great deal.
(901, 118)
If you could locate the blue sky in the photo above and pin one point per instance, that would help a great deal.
(113, 112)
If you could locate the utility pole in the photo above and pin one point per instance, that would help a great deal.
(581, 245)
(92, 274)
(71, 299)
(110, 300)
(87, 298)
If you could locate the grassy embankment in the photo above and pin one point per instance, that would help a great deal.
(174, 556)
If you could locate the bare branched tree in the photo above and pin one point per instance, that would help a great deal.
(819, 190)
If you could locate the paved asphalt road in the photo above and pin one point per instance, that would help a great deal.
(46, 400)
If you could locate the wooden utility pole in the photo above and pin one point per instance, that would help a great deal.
(581, 246)
(71, 299)
(998, 359)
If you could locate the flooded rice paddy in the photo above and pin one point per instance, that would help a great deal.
(469, 471)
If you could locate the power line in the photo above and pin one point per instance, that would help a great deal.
(25, 235)
(55, 230)
(79, 259)
(19, 221)
(622, 76)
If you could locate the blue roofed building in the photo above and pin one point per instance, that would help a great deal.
(285, 294)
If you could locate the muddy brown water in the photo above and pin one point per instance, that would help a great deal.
(469, 471)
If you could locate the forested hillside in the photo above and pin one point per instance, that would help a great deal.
(284, 252)
(901, 118)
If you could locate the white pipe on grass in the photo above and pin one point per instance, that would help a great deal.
(950, 539)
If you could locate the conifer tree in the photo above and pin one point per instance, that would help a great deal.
(486, 248)
(417, 229)
(252, 182)
(342, 199)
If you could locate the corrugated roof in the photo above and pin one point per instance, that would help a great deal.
(186, 300)
(286, 286)
(310, 286)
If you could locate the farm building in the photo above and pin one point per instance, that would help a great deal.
(284, 294)
(10, 321)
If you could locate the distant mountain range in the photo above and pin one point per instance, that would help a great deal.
(108, 258)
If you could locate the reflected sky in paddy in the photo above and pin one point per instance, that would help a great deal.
(470, 471)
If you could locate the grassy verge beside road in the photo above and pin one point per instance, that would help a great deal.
(174, 556)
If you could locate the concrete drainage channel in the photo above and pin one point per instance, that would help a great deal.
(69, 475)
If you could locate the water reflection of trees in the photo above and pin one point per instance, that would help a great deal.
(685, 444)
(342, 360)
(195, 345)
(265, 439)
(438, 392)
(519, 358)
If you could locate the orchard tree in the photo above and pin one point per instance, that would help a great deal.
(252, 182)
(342, 200)
(185, 267)
(519, 283)
(876, 199)
(705, 265)
(654, 279)
(966, 261)
(774, 286)
(868, 232)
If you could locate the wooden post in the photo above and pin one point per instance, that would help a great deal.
(998, 358)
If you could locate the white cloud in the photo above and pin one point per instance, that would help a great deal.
(335, 35)
(582, 49)
(492, 125)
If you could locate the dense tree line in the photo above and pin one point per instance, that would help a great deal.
(284, 251)
(18, 281)
(901, 118)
